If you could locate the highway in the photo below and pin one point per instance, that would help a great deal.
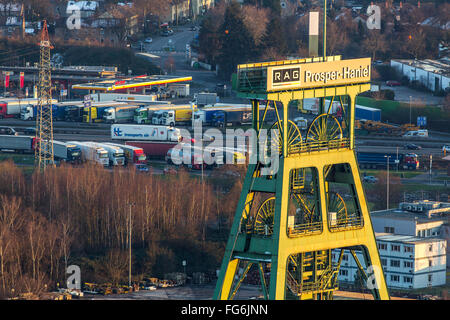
(66, 131)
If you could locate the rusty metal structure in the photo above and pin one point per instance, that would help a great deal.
(44, 120)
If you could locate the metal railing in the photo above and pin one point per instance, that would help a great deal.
(298, 230)
(322, 284)
(308, 147)
(346, 224)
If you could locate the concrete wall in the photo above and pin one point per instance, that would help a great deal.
(400, 226)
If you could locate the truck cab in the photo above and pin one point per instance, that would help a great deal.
(218, 119)
(157, 116)
(198, 116)
(73, 154)
(115, 154)
(410, 161)
(142, 115)
(27, 112)
(90, 151)
(109, 115)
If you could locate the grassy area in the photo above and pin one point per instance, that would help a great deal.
(398, 112)
(20, 159)
(401, 174)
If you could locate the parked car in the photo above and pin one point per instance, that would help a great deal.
(140, 167)
(412, 146)
(370, 179)
(148, 40)
(393, 83)
(446, 148)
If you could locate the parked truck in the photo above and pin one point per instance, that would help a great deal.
(116, 154)
(153, 149)
(21, 144)
(380, 160)
(10, 107)
(202, 99)
(144, 132)
(231, 117)
(367, 113)
(204, 116)
(92, 153)
(74, 113)
(119, 114)
(30, 112)
(144, 114)
(95, 112)
(133, 155)
(176, 117)
(68, 152)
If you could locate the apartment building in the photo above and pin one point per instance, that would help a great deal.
(408, 262)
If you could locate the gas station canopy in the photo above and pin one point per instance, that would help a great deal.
(112, 85)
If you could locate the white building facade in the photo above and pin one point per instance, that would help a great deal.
(408, 262)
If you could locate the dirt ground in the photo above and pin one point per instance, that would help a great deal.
(205, 292)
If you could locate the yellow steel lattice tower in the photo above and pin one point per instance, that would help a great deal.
(44, 119)
(297, 222)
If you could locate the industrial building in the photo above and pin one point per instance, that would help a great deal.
(422, 219)
(408, 262)
(433, 74)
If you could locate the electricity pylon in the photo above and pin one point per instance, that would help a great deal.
(44, 119)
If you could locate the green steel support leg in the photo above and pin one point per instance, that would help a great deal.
(228, 267)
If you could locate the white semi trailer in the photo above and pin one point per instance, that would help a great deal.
(92, 153)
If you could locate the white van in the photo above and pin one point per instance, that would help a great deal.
(418, 133)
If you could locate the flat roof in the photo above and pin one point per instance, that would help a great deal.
(441, 66)
(126, 83)
(404, 238)
(406, 215)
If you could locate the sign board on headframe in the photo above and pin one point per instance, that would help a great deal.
(318, 74)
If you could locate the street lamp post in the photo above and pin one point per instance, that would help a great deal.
(129, 244)
(410, 110)
(387, 182)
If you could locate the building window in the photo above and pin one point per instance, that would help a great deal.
(408, 249)
(389, 229)
(407, 264)
(407, 279)
(430, 247)
(345, 257)
(382, 246)
(395, 263)
(343, 272)
(395, 278)
(430, 263)
(395, 247)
